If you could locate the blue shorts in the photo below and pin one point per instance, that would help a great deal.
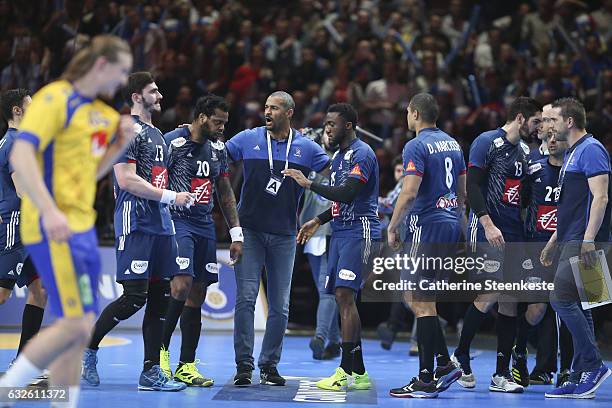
(197, 256)
(349, 262)
(145, 256)
(16, 267)
(69, 273)
(502, 265)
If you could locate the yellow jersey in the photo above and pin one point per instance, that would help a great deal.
(70, 133)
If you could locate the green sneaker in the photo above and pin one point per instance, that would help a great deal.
(336, 382)
(361, 382)
(164, 362)
(188, 373)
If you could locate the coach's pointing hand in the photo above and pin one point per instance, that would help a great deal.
(298, 176)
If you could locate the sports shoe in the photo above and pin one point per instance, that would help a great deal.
(164, 362)
(505, 383)
(446, 375)
(416, 389)
(42, 381)
(386, 335)
(590, 381)
(520, 373)
(414, 350)
(562, 378)
(154, 379)
(243, 376)
(270, 376)
(565, 391)
(332, 351)
(360, 382)
(540, 378)
(188, 373)
(467, 379)
(317, 345)
(336, 382)
(89, 373)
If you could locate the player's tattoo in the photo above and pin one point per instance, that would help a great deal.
(227, 200)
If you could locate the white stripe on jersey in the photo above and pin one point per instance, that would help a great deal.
(365, 222)
(473, 231)
(11, 230)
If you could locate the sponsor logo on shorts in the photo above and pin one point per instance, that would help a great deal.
(491, 266)
(212, 268)
(345, 274)
(527, 264)
(183, 263)
(139, 267)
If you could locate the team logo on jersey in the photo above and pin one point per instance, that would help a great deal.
(159, 177)
(547, 218)
(202, 188)
(410, 166)
(98, 143)
(499, 142)
(345, 274)
(347, 155)
(178, 142)
(525, 147)
(356, 171)
(512, 192)
(137, 128)
(335, 209)
(298, 152)
(448, 201)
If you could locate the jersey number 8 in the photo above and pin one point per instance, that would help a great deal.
(448, 165)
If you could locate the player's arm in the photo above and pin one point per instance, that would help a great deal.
(461, 200)
(598, 185)
(310, 227)
(18, 188)
(476, 179)
(129, 181)
(125, 134)
(344, 193)
(227, 201)
(547, 252)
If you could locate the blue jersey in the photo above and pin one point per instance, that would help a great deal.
(506, 168)
(9, 201)
(537, 154)
(195, 167)
(438, 159)
(149, 152)
(543, 190)
(360, 217)
(585, 159)
(259, 209)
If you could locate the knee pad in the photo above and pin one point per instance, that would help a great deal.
(129, 303)
(158, 297)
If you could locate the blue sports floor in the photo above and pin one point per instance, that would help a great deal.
(119, 367)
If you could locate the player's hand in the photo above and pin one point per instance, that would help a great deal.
(494, 236)
(55, 225)
(546, 257)
(588, 254)
(307, 231)
(125, 130)
(298, 176)
(184, 199)
(235, 252)
(393, 239)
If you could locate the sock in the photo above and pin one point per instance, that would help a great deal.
(191, 325)
(347, 357)
(73, 398)
(506, 332)
(20, 373)
(106, 322)
(426, 332)
(471, 323)
(30, 324)
(175, 308)
(153, 321)
(521, 335)
(358, 366)
(442, 357)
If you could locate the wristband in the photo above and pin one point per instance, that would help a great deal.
(588, 241)
(481, 213)
(168, 197)
(236, 234)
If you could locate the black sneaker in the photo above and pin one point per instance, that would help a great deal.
(270, 376)
(415, 389)
(445, 376)
(332, 351)
(540, 378)
(520, 372)
(562, 378)
(243, 376)
(386, 335)
(317, 345)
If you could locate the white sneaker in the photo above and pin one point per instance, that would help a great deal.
(466, 380)
(505, 383)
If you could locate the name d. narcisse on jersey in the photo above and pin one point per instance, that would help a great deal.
(443, 146)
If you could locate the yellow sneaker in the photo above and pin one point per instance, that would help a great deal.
(188, 373)
(336, 382)
(164, 362)
(361, 382)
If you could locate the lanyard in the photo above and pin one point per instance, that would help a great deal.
(286, 155)
(564, 168)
